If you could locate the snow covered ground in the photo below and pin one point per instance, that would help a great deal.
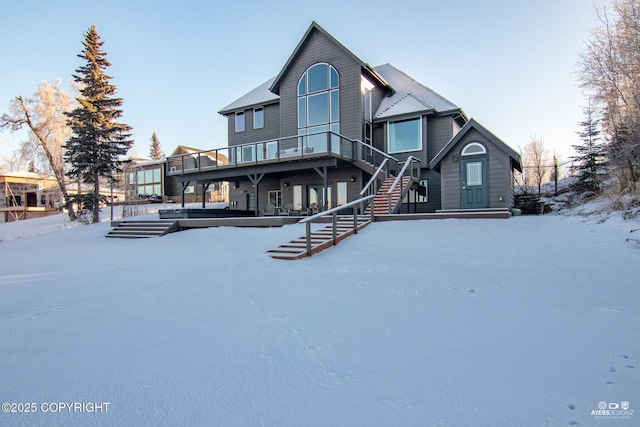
(527, 321)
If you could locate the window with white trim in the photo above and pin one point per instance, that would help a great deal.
(473, 148)
(258, 118)
(240, 121)
(404, 136)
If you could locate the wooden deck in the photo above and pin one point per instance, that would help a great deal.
(280, 221)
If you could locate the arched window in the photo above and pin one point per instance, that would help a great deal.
(318, 104)
(473, 148)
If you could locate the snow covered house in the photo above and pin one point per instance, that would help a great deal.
(145, 179)
(329, 128)
(26, 195)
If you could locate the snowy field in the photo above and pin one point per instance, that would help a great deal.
(530, 321)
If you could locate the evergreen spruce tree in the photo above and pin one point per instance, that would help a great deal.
(98, 142)
(590, 157)
(155, 151)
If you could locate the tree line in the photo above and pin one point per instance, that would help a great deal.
(77, 139)
(609, 71)
(607, 158)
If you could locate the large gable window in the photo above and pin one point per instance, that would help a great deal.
(318, 104)
(405, 136)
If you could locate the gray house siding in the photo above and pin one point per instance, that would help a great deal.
(499, 176)
(434, 193)
(271, 129)
(439, 132)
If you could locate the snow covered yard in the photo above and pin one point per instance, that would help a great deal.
(527, 321)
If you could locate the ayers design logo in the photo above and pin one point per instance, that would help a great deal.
(613, 410)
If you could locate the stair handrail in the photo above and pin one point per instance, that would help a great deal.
(357, 144)
(334, 213)
(409, 162)
(373, 179)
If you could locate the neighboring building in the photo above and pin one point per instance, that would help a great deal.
(26, 195)
(148, 179)
(314, 135)
(144, 179)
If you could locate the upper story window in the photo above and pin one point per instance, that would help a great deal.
(319, 100)
(258, 117)
(240, 121)
(404, 136)
(473, 149)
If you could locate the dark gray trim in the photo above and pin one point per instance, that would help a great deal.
(275, 86)
(473, 124)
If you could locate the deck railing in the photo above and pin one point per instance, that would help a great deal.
(290, 148)
(334, 219)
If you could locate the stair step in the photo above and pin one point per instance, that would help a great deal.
(142, 229)
(320, 240)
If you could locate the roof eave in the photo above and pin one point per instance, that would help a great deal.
(226, 111)
(275, 87)
(472, 123)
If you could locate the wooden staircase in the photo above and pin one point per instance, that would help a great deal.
(320, 239)
(142, 229)
(381, 201)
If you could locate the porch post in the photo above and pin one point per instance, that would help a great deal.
(325, 181)
(205, 187)
(255, 180)
(185, 184)
(326, 186)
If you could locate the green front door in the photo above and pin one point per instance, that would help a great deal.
(474, 183)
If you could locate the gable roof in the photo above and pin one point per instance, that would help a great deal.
(410, 96)
(258, 96)
(473, 124)
(275, 86)
(213, 155)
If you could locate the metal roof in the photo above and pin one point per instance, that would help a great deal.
(410, 96)
(258, 96)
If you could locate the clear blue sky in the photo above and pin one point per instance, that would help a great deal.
(511, 65)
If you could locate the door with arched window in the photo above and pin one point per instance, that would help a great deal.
(474, 176)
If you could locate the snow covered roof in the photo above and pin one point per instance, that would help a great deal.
(26, 175)
(410, 96)
(258, 96)
(212, 154)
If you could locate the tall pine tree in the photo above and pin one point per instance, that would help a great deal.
(98, 142)
(155, 151)
(590, 156)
